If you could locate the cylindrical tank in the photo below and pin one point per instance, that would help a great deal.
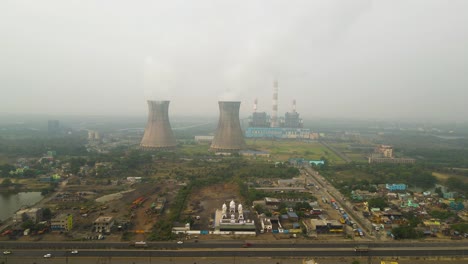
(158, 132)
(228, 137)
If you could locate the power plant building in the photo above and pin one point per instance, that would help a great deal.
(292, 120)
(158, 132)
(259, 119)
(228, 136)
(289, 127)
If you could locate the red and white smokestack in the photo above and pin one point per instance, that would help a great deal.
(255, 105)
(294, 106)
(274, 115)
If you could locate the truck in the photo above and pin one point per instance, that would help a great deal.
(359, 231)
(361, 248)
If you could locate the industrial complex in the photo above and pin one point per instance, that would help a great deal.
(288, 127)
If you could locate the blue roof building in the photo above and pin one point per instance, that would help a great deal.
(395, 187)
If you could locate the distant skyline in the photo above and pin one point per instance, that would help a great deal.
(360, 59)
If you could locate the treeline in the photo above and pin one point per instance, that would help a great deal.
(415, 175)
(441, 157)
(268, 170)
(72, 145)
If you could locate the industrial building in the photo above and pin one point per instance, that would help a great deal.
(32, 214)
(391, 160)
(259, 119)
(228, 137)
(158, 132)
(321, 226)
(103, 224)
(278, 133)
(292, 120)
(62, 222)
(385, 151)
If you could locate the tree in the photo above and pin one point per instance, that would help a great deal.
(406, 232)
(6, 182)
(378, 203)
(46, 214)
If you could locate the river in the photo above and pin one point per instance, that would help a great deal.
(11, 202)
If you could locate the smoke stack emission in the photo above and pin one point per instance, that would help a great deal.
(228, 137)
(274, 115)
(158, 132)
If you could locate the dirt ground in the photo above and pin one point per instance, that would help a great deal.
(204, 202)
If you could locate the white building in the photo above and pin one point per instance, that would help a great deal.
(103, 224)
(233, 219)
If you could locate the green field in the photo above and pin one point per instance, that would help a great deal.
(279, 150)
(283, 150)
(445, 176)
(195, 149)
(353, 155)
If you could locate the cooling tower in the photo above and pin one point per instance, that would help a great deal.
(228, 137)
(158, 132)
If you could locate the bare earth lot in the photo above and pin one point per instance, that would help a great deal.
(203, 202)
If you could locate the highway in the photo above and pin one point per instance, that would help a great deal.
(243, 255)
(222, 252)
(229, 244)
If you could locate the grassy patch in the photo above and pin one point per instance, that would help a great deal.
(195, 149)
(283, 150)
(445, 176)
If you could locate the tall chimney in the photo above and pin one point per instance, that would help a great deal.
(228, 137)
(158, 132)
(274, 115)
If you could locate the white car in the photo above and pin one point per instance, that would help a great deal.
(7, 252)
(74, 251)
(48, 255)
(180, 242)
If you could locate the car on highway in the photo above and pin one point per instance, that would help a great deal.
(6, 252)
(180, 242)
(48, 255)
(74, 251)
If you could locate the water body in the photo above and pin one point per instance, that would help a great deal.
(450, 137)
(11, 202)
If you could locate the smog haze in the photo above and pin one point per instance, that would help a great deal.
(339, 59)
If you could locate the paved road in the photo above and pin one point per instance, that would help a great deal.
(337, 152)
(251, 252)
(332, 192)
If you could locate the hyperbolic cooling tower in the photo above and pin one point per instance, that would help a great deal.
(228, 135)
(158, 132)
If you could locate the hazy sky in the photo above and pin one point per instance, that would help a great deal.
(349, 58)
